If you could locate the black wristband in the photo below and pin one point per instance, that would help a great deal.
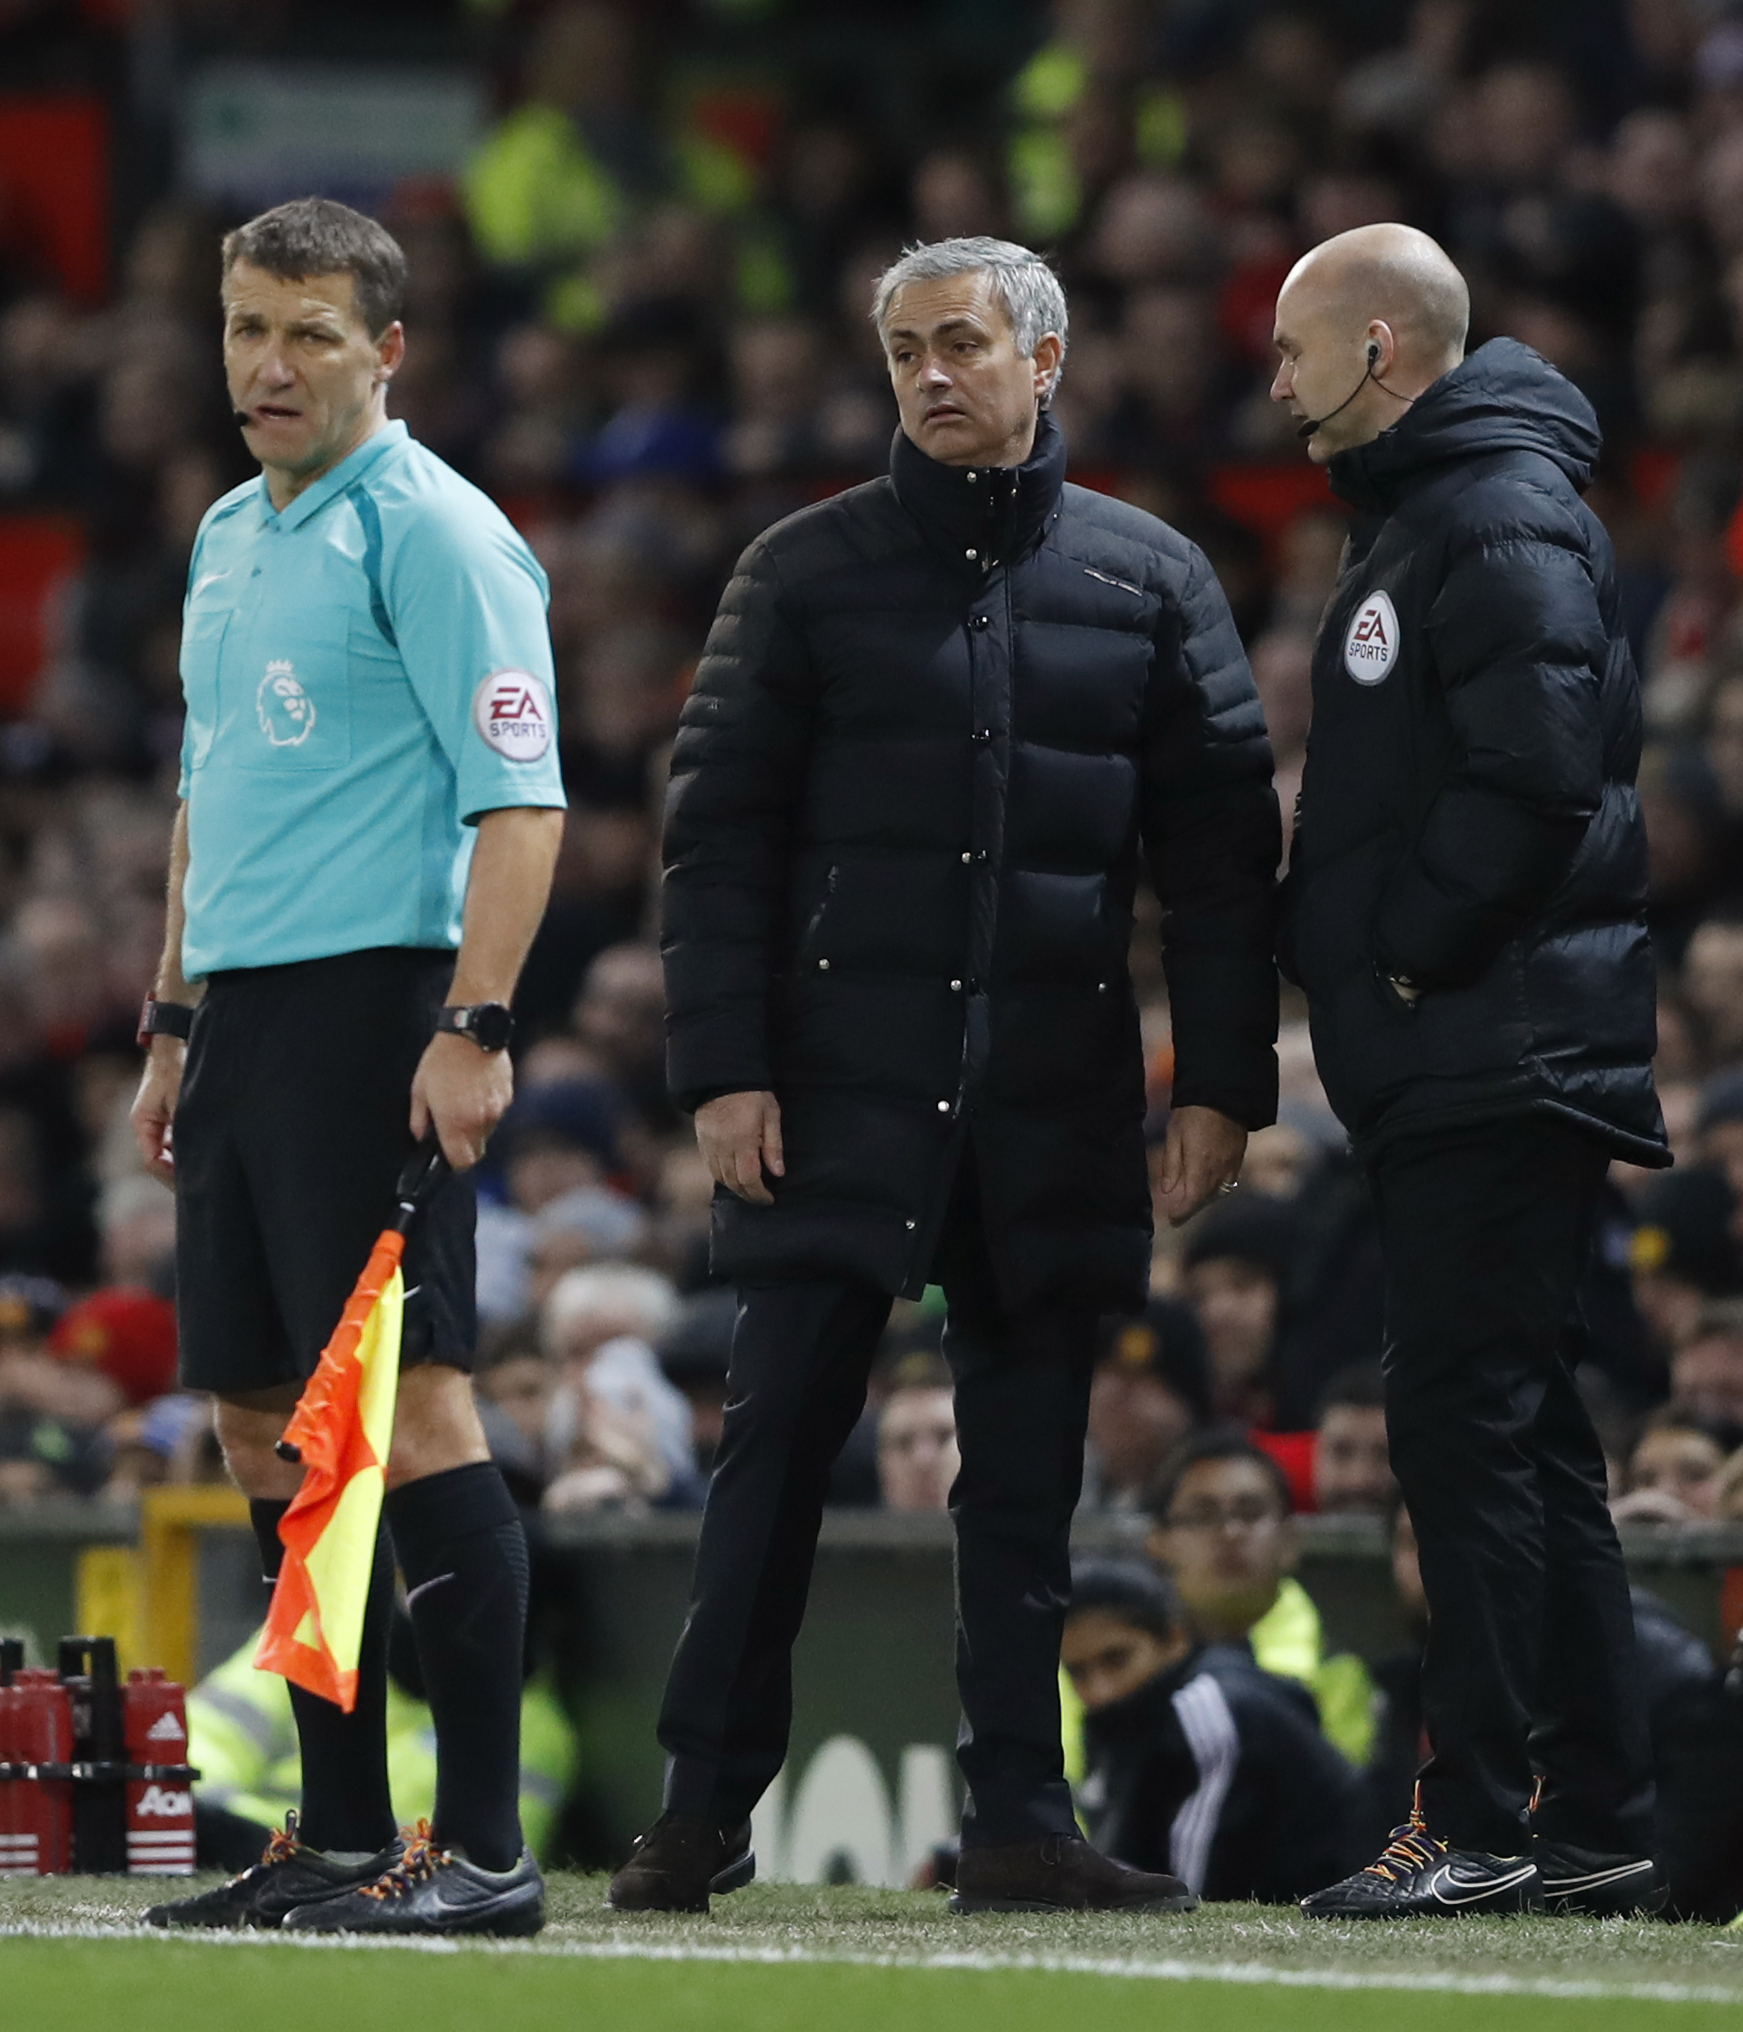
(488, 1024)
(163, 1019)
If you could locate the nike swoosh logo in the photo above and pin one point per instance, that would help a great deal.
(1561, 1886)
(1444, 1876)
(211, 578)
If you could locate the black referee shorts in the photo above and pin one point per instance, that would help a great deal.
(290, 1135)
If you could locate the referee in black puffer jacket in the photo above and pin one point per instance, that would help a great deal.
(938, 722)
(1465, 909)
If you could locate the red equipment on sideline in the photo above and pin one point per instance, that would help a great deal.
(36, 1802)
(160, 1809)
(93, 1776)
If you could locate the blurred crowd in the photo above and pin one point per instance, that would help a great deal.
(638, 318)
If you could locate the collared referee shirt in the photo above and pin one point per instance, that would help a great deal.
(366, 674)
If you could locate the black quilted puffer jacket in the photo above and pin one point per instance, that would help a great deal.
(1468, 817)
(937, 720)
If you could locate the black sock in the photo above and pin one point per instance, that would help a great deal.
(346, 1802)
(464, 1557)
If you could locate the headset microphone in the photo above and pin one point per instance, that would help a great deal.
(241, 418)
(1314, 423)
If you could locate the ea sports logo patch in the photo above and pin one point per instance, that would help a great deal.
(1371, 646)
(512, 712)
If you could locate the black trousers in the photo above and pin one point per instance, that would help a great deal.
(1530, 1672)
(801, 1353)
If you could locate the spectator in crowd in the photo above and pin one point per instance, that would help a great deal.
(1352, 1471)
(1684, 1252)
(516, 1385)
(557, 1139)
(617, 1431)
(1673, 1473)
(1196, 1761)
(1222, 1524)
(1233, 1270)
(1150, 1391)
(1706, 1373)
(917, 1456)
(168, 1440)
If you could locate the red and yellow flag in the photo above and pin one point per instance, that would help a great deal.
(343, 1427)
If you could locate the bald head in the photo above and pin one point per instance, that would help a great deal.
(1395, 274)
(1384, 297)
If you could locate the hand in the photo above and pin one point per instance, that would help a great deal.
(464, 1091)
(1653, 1506)
(153, 1112)
(739, 1135)
(1203, 1153)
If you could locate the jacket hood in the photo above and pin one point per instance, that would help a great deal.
(986, 515)
(1504, 397)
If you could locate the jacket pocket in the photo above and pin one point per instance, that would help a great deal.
(1328, 912)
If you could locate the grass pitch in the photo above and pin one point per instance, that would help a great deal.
(778, 1958)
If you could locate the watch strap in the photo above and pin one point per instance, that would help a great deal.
(488, 1024)
(163, 1019)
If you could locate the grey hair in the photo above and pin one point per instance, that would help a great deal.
(1021, 280)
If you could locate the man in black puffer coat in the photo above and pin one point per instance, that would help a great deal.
(1465, 909)
(938, 721)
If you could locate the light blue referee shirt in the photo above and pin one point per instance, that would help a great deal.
(366, 674)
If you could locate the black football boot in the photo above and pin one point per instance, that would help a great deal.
(288, 1876)
(433, 1890)
(1416, 1875)
(1599, 1886)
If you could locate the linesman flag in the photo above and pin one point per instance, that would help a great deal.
(341, 1431)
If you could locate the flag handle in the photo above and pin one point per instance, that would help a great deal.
(425, 1169)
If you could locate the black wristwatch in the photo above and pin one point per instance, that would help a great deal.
(163, 1019)
(488, 1024)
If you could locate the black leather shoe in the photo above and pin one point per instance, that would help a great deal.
(1416, 1875)
(679, 1861)
(434, 1890)
(1599, 1886)
(287, 1877)
(1060, 1873)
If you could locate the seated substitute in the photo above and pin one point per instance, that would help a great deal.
(1197, 1762)
(370, 814)
(1223, 1526)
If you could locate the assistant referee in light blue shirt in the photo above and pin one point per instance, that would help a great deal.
(371, 810)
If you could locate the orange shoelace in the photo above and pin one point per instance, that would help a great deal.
(284, 1844)
(1411, 1847)
(421, 1860)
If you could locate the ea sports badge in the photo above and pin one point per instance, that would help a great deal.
(1371, 646)
(512, 712)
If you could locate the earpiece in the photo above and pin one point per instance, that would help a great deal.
(1374, 353)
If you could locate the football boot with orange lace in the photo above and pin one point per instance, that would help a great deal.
(431, 1889)
(288, 1876)
(1416, 1874)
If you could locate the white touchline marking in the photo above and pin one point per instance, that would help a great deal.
(1254, 1973)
